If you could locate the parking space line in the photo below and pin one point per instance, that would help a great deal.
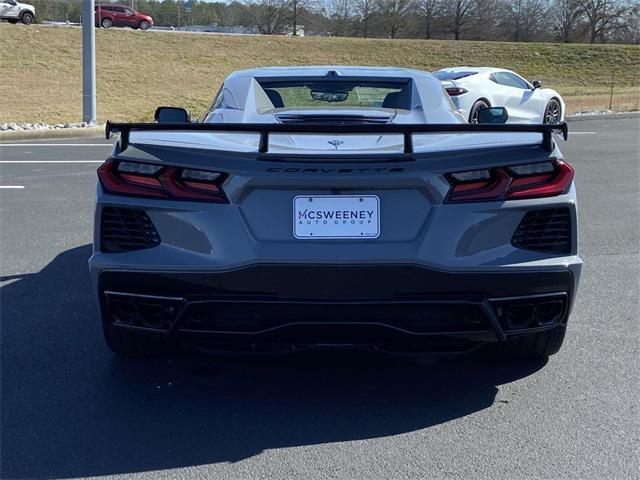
(56, 145)
(12, 186)
(17, 162)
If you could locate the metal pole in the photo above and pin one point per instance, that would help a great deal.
(88, 63)
(611, 93)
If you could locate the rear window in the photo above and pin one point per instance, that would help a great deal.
(452, 75)
(342, 93)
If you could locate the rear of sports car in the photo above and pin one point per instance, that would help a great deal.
(440, 251)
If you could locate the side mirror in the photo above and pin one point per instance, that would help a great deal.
(172, 115)
(493, 115)
(536, 84)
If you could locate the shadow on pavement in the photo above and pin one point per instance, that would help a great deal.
(70, 409)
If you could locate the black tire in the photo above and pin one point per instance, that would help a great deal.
(552, 112)
(132, 344)
(106, 23)
(144, 25)
(473, 113)
(537, 345)
(27, 18)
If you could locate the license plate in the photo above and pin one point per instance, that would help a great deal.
(336, 216)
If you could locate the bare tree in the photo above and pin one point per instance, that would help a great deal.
(339, 14)
(458, 14)
(365, 11)
(566, 15)
(600, 15)
(628, 30)
(294, 12)
(394, 15)
(428, 11)
(524, 18)
(268, 16)
(486, 19)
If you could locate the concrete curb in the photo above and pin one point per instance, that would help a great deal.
(605, 116)
(12, 135)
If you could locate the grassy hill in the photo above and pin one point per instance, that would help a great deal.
(138, 71)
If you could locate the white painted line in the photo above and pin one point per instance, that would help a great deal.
(56, 145)
(17, 162)
(12, 186)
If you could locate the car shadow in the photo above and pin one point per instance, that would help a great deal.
(69, 408)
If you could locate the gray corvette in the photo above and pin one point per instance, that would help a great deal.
(318, 207)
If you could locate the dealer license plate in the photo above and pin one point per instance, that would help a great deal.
(336, 216)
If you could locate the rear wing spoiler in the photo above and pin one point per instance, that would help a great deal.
(407, 130)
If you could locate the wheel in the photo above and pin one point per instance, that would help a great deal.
(13, 21)
(473, 114)
(144, 25)
(132, 344)
(537, 345)
(106, 23)
(552, 112)
(27, 18)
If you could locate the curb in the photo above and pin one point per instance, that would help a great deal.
(52, 133)
(605, 116)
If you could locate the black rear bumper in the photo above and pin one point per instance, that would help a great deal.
(391, 307)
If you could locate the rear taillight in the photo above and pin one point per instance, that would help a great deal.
(533, 180)
(149, 180)
(455, 91)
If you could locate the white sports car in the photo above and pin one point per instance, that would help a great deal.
(473, 88)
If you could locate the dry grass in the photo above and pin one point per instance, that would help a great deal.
(138, 71)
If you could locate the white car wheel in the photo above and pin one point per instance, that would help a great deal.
(473, 114)
(106, 23)
(552, 112)
(144, 25)
(27, 18)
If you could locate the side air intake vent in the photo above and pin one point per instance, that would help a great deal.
(546, 230)
(124, 229)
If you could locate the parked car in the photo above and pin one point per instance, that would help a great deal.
(334, 207)
(14, 11)
(473, 88)
(108, 16)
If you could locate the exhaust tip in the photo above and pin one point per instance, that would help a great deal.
(141, 311)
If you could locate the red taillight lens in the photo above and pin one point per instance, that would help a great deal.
(536, 186)
(148, 180)
(534, 180)
(455, 91)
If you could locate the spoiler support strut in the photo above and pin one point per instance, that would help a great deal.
(406, 130)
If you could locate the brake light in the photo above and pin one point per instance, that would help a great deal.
(455, 91)
(534, 180)
(149, 180)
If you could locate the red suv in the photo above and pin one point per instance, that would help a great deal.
(108, 16)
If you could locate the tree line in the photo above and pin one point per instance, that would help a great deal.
(567, 21)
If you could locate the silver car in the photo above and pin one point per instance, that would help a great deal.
(319, 207)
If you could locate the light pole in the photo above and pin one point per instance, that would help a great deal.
(88, 63)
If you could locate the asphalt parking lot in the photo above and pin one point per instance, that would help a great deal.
(70, 409)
